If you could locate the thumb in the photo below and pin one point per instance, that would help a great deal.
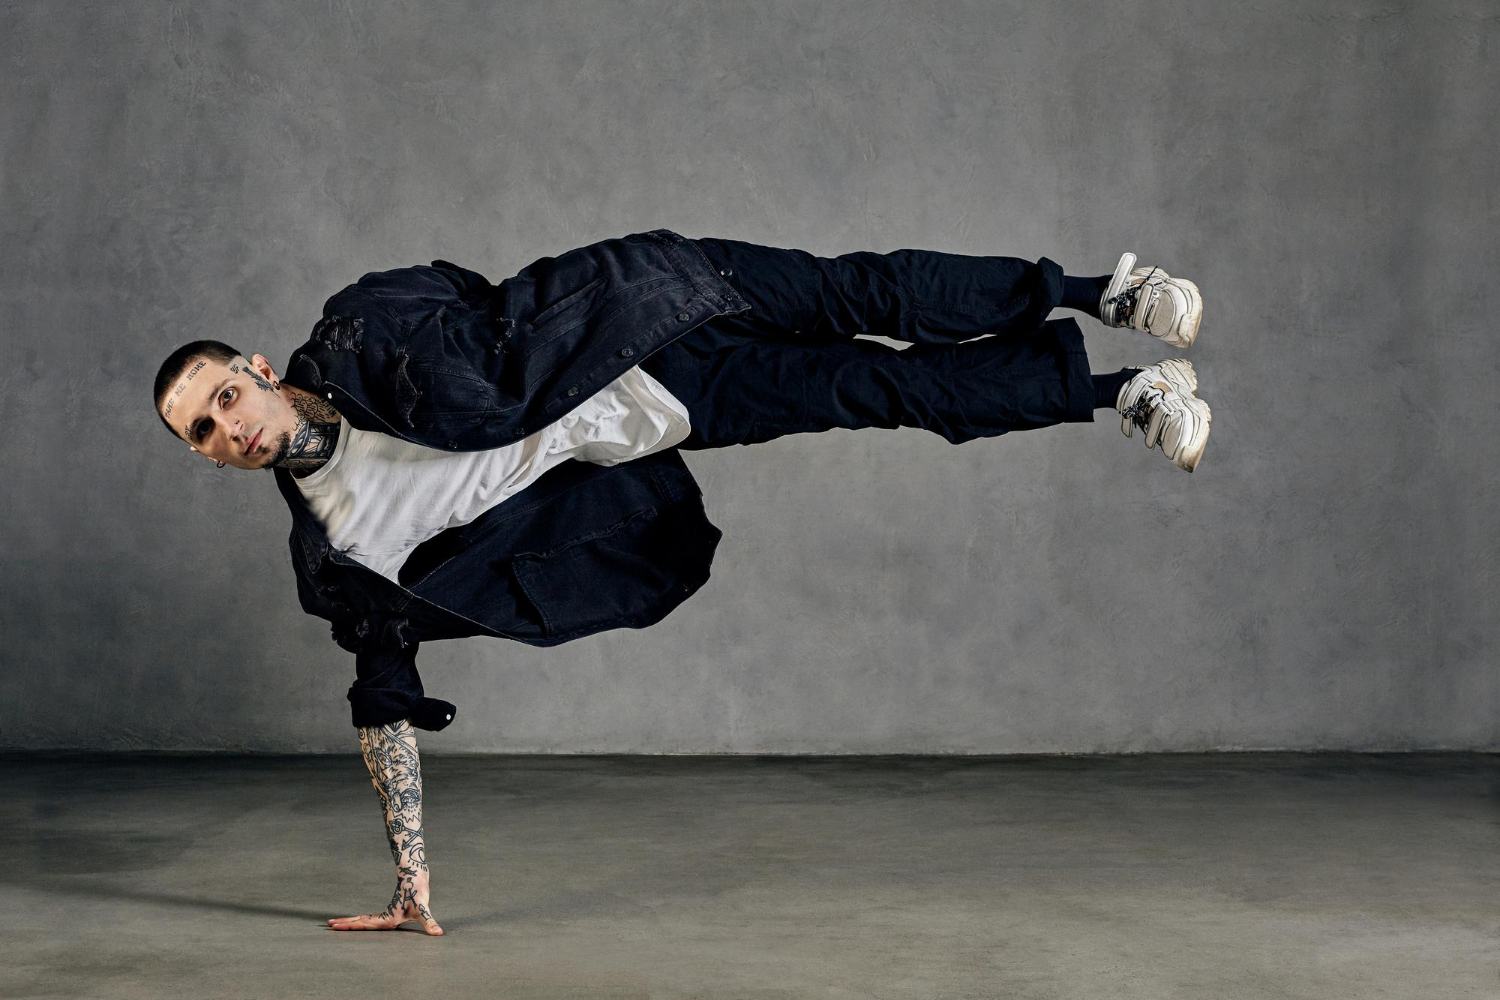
(429, 922)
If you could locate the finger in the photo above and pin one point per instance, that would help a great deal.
(422, 917)
(368, 922)
(429, 922)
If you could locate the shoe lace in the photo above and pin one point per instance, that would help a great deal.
(1127, 300)
(1139, 412)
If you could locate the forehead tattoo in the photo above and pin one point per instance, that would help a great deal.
(184, 383)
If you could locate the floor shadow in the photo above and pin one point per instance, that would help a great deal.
(72, 887)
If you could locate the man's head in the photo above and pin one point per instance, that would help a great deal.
(226, 408)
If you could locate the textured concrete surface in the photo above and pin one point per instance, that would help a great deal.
(1325, 580)
(1241, 876)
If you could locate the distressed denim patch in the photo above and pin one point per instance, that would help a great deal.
(340, 333)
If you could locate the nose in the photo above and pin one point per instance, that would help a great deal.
(233, 430)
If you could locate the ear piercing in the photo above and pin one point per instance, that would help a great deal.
(219, 464)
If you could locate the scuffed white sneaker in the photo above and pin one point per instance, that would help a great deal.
(1150, 299)
(1160, 400)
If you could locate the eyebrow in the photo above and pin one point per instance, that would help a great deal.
(211, 397)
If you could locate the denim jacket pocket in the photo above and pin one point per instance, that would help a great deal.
(628, 575)
(429, 390)
(567, 311)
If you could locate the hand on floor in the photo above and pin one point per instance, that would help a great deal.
(409, 903)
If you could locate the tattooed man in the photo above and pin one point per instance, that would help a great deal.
(427, 397)
(281, 426)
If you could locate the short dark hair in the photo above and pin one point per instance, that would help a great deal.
(177, 362)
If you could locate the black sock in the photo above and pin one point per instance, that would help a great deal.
(1084, 294)
(1107, 387)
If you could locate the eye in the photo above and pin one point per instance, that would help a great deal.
(224, 396)
(200, 430)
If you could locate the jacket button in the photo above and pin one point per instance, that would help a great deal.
(452, 445)
(682, 316)
(572, 390)
(726, 272)
(330, 395)
(626, 352)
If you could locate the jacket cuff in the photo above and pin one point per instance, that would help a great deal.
(432, 714)
(381, 707)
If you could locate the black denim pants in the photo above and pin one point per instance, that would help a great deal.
(984, 358)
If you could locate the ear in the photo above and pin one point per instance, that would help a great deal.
(260, 364)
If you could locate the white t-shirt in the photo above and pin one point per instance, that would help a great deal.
(378, 497)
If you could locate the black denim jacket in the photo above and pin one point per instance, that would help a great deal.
(440, 357)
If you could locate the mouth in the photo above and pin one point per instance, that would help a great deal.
(253, 442)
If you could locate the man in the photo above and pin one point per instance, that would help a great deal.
(421, 436)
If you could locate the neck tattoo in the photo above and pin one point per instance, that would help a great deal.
(317, 434)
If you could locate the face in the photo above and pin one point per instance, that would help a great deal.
(232, 413)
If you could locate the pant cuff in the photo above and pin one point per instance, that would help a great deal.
(1078, 379)
(1046, 292)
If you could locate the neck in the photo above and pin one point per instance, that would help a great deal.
(316, 435)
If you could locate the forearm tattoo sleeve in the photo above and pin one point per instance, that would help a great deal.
(390, 753)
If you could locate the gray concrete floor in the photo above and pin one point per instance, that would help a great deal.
(1158, 877)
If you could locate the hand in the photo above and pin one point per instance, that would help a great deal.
(409, 903)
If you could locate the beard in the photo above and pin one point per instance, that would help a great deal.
(283, 446)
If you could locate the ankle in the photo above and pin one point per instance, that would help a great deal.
(1084, 294)
(1107, 388)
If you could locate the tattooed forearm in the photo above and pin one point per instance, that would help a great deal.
(390, 753)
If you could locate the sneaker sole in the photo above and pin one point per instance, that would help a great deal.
(1180, 375)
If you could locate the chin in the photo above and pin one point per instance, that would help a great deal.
(282, 444)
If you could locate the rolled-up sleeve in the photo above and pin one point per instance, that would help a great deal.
(387, 688)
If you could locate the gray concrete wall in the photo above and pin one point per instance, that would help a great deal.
(1325, 580)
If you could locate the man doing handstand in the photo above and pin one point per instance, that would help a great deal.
(422, 435)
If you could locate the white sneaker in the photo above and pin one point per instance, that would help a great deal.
(1149, 299)
(1159, 400)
